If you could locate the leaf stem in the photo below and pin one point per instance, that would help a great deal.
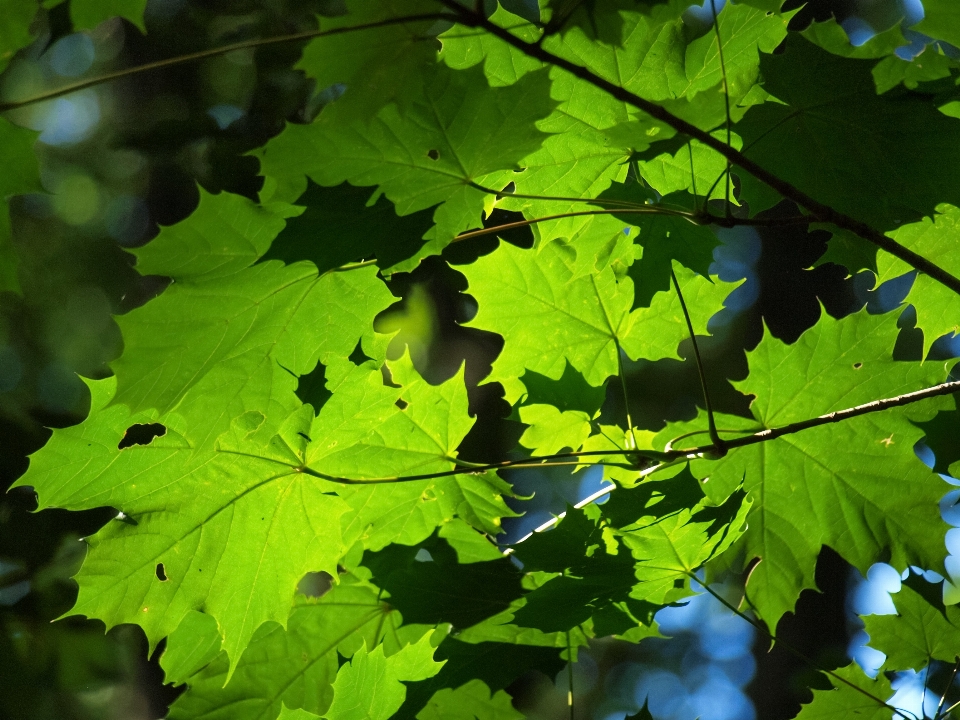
(718, 444)
(943, 698)
(213, 52)
(822, 212)
(570, 677)
(726, 96)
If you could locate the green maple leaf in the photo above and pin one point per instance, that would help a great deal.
(942, 435)
(376, 66)
(503, 64)
(361, 433)
(495, 664)
(199, 528)
(223, 314)
(470, 701)
(371, 686)
(744, 32)
(620, 590)
(232, 521)
(873, 498)
(670, 546)
(664, 238)
(844, 701)
(548, 317)
(551, 430)
(935, 239)
(921, 631)
(831, 36)
(884, 160)
(941, 20)
(436, 151)
(340, 225)
(439, 589)
(926, 67)
(296, 666)
(596, 583)
(190, 648)
(568, 393)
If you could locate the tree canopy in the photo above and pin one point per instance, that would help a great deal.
(572, 168)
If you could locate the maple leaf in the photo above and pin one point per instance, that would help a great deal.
(840, 143)
(873, 498)
(548, 317)
(462, 135)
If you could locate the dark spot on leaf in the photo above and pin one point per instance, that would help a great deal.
(857, 366)
(161, 573)
(678, 583)
(402, 404)
(141, 435)
(315, 584)
(433, 154)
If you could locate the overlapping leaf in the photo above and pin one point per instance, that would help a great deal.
(217, 514)
(873, 498)
(548, 317)
(371, 686)
(462, 134)
(296, 666)
(222, 311)
(884, 160)
(862, 698)
(938, 240)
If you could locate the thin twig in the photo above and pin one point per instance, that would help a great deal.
(664, 458)
(693, 181)
(943, 698)
(626, 399)
(822, 212)
(213, 52)
(726, 96)
(649, 210)
(570, 676)
(718, 444)
(950, 709)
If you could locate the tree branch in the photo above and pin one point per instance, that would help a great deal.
(822, 212)
(664, 458)
(213, 52)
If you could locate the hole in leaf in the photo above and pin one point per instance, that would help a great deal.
(358, 357)
(402, 404)
(857, 366)
(312, 387)
(388, 377)
(161, 573)
(433, 154)
(141, 435)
